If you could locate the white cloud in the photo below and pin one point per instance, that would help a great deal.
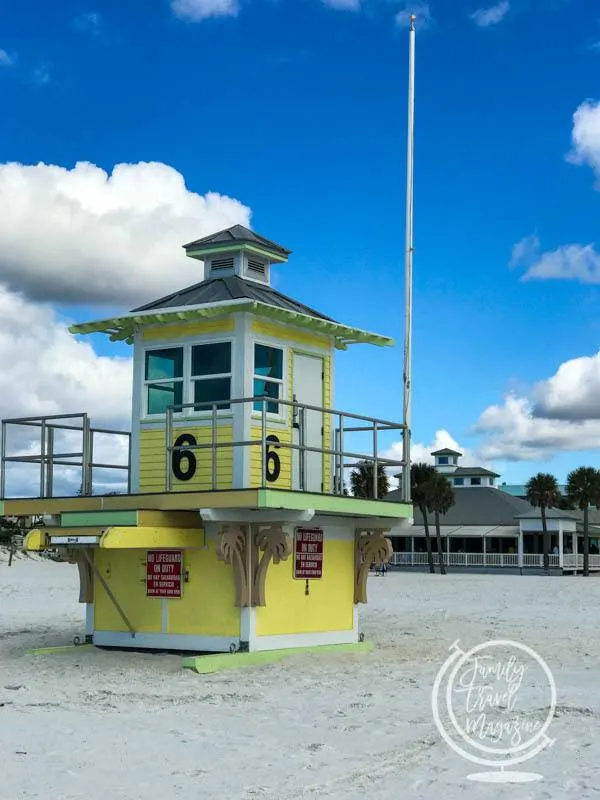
(343, 5)
(41, 75)
(45, 370)
(585, 137)
(82, 235)
(89, 22)
(484, 17)
(572, 393)
(578, 262)
(198, 10)
(6, 60)
(421, 11)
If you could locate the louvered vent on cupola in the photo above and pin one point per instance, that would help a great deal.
(220, 267)
(256, 269)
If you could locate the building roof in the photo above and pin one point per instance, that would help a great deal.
(217, 297)
(520, 490)
(218, 290)
(445, 451)
(473, 471)
(237, 234)
(477, 505)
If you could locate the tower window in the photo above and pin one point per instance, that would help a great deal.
(164, 379)
(443, 460)
(475, 481)
(459, 481)
(268, 376)
(211, 375)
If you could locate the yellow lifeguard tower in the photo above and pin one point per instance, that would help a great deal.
(236, 532)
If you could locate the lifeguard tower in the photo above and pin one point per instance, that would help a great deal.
(236, 531)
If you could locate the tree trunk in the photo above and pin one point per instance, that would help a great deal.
(586, 543)
(428, 540)
(438, 537)
(546, 540)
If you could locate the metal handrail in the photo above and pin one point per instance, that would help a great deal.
(338, 451)
(48, 459)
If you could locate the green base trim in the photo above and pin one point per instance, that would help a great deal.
(47, 651)
(83, 519)
(335, 504)
(204, 665)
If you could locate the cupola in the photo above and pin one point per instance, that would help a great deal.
(237, 251)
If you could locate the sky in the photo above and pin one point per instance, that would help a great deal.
(130, 127)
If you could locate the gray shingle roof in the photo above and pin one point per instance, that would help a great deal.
(237, 234)
(445, 451)
(217, 290)
(464, 471)
(477, 505)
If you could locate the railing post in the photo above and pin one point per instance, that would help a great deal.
(168, 448)
(375, 464)
(336, 460)
(341, 437)
(213, 462)
(50, 463)
(129, 450)
(43, 457)
(86, 459)
(263, 421)
(302, 443)
(3, 462)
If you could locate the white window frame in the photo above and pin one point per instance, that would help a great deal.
(146, 382)
(193, 379)
(279, 416)
(187, 379)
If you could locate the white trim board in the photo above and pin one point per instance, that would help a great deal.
(166, 641)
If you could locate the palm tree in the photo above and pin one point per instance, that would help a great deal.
(420, 475)
(542, 492)
(361, 481)
(583, 488)
(439, 497)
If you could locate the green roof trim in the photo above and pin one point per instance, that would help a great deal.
(201, 252)
(123, 328)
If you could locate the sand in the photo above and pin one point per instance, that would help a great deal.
(97, 724)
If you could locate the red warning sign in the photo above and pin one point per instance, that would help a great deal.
(164, 573)
(308, 553)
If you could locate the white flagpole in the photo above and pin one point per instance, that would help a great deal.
(408, 265)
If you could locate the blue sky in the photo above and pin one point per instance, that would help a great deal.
(298, 111)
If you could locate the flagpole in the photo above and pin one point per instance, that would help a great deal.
(408, 265)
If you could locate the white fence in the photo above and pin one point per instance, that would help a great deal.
(484, 560)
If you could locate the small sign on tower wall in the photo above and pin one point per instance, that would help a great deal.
(164, 573)
(308, 553)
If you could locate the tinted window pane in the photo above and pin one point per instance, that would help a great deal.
(161, 395)
(162, 364)
(212, 390)
(211, 359)
(266, 389)
(268, 361)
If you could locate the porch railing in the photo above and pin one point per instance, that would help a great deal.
(342, 424)
(499, 560)
(81, 458)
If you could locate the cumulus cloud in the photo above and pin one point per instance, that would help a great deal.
(561, 413)
(45, 370)
(585, 137)
(421, 11)
(343, 5)
(198, 10)
(82, 235)
(485, 17)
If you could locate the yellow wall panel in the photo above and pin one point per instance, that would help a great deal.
(329, 606)
(184, 329)
(284, 454)
(207, 607)
(153, 459)
(287, 334)
(125, 572)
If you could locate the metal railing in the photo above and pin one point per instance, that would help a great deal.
(498, 560)
(297, 412)
(48, 459)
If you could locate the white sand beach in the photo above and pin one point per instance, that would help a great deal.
(96, 724)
